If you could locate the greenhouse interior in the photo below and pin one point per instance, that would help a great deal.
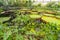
(29, 19)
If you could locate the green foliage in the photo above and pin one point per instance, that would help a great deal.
(23, 27)
(1, 9)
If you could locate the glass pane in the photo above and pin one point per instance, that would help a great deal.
(46, 0)
(54, 0)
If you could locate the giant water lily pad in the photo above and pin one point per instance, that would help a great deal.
(4, 19)
(35, 16)
(51, 20)
(46, 18)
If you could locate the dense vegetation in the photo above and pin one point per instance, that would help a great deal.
(20, 20)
